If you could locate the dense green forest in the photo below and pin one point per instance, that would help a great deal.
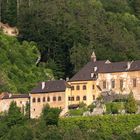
(18, 70)
(67, 31)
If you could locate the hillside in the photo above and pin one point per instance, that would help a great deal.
(18, 70)
(68, 31)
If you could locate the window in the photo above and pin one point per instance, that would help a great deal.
(77, 87)
(59, 98)
(38, 99)
(104, 84)
(48, 99)
(44, 99)
(69, 98)
(112, 83)
(72, 98)
(78, 98)
(121, 83)
(84, 87)
(134, 82)
(34, 100)
(93, 87)
(84, 97)
(72, 88)
(93, 97)
(54, 98)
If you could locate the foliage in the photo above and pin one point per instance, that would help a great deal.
(67, 32)
(50, 115)
(103, 127)
(76, 112)
(114, 107)
(131, 105)
(18, 67)
(82, 105)
(91, 107)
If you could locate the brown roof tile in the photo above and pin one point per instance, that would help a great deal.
(13, 96)
(102, 67)
(51, 86)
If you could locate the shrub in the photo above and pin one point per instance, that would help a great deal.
(131, 105)
(114, 107)
(50, 115)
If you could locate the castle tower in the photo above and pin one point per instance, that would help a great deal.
(93, 57)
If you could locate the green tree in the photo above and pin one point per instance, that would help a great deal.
(131, 106)
(50, 115)
(15, 116)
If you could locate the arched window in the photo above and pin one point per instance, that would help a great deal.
(34, 100)
(72, 88)
(84, 87)
(84, 97)
(93, 87)
(78, 98)
(44, 99)
(59, 98)
(72, 98)
(38, 99)
(93, 97)
(48, 99)
(69, 98)
(78, 87)
(54, 98)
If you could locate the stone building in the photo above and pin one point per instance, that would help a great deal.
(6, 98)
(98, 77)
(52, 93)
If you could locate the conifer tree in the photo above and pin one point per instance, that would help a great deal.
(131, 106)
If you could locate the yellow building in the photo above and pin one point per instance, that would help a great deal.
(98, 77)
(52, 93)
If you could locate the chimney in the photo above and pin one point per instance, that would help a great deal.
(95, 69)
(43, 85)
(129, 65)
(67, 79)
(93, 57)
(10, 95)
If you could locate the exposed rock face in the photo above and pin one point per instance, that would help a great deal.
(137, 130)
(11, 31)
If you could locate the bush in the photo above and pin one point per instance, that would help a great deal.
(76, 112)
(131, 105)
(114, 107)
(50, 115)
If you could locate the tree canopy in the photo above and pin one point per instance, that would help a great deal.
(64, 30)
(18, 70)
